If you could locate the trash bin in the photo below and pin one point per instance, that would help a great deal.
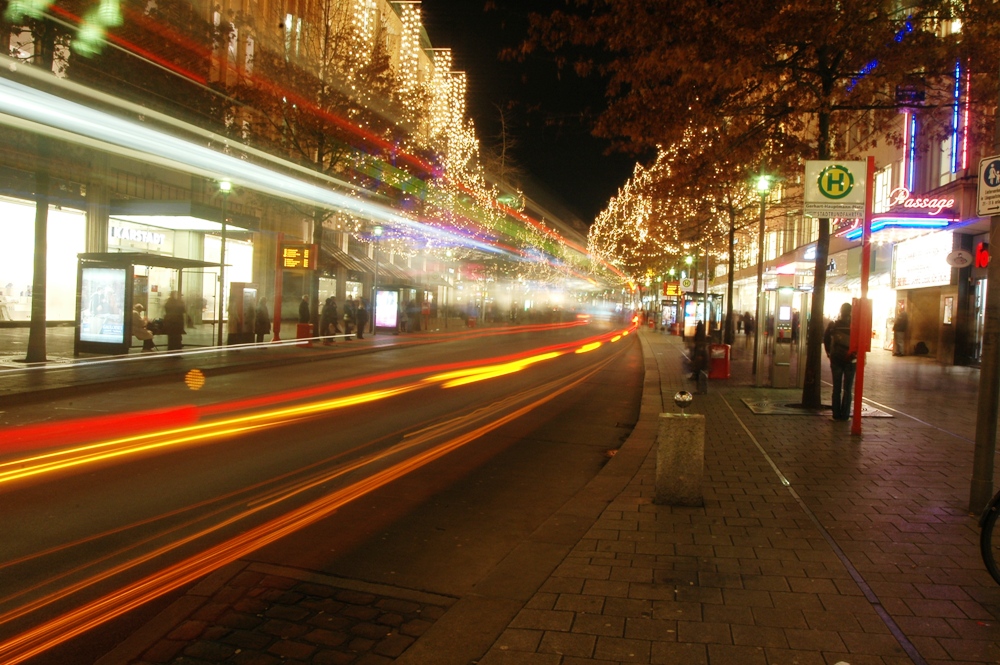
(304, 331)
(718, 361)
(471, 322)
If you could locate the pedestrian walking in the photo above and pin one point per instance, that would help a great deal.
(348, 317)
(843, 363)
(328, 320)
(262, 321)
(173, 321)
(361, 317)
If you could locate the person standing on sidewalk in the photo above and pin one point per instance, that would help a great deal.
(173, 321)
(843, 363)
(361, 317)
(262, 321)
(899, 327)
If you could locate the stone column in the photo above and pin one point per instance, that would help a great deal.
(680, 460)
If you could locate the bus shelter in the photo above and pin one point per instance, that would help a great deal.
(108, 287)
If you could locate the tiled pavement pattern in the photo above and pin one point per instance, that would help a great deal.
(866, 556)
(265, 615)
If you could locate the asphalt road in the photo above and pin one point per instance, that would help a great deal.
(418, 467)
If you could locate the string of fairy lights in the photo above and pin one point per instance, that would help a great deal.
(658, 217)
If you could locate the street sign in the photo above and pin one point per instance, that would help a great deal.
(988, 201)
(687, 284)
(834, 189)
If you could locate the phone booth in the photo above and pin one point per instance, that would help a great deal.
(781, 345)
(242, 312)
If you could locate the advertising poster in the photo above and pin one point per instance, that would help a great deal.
(102, 305)
(386, 309)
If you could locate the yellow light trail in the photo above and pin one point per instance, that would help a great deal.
(586, 348)
(46, 636)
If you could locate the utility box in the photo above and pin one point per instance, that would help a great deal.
(718, 361)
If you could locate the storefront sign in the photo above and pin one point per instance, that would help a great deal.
(900, 197)
(298, 256)
(922, 261)
(983, 255)
(136, 235)
(960, 259)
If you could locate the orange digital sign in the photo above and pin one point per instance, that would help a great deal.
(298, 256)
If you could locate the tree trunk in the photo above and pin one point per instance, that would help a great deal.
(811, 397)
(730, 323)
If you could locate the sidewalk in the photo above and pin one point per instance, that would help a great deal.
(813, 547)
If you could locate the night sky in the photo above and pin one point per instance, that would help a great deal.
(547, 115)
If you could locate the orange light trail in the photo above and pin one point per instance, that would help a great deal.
(76, 622)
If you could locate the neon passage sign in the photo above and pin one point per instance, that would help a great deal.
(909, 212)
(900, 197)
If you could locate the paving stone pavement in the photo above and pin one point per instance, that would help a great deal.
(259, 614)
(813, 547)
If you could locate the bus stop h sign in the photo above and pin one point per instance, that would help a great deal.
(834, 189)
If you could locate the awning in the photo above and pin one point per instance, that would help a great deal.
(180, 215)
(125, 259)
(334, 253)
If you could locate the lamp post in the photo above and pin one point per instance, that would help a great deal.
(763, 188)
(224, 188)
(377, 231)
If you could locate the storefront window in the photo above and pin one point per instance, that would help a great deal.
(66, 239)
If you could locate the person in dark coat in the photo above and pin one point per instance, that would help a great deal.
(262, 321)
(304, 313)
(699, 352)
(899, 328)
(328, 320)
(349, 318)
(361, 317)
(843, 363)
(173, 321)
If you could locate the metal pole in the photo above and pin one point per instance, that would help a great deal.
(222, 270)
(760, 283)
(375, 289)
(981, 489)
(866, 258)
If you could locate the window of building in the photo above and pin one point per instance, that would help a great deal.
(945, 154)
(883, 185)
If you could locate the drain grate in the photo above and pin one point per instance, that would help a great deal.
(765, 407)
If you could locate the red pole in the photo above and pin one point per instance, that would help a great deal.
(278, 283)
(865, 334)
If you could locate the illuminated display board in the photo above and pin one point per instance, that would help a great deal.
(298, 256)
(102, 312)
(922, 261)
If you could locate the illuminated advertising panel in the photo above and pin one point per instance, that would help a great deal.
(102, 305)
(922, 261)
(386, 309)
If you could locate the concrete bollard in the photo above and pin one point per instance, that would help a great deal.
(680, 460)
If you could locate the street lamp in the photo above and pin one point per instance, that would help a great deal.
(377, 231)
(224, 188)
(763, 188)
